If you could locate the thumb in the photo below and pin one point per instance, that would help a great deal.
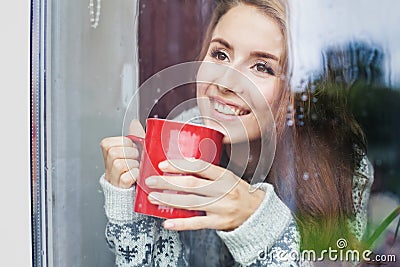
(136, 129)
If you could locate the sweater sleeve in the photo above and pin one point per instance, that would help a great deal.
(269, 237)
(362, 182)
(137, 239)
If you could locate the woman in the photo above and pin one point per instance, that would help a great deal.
(307, 193)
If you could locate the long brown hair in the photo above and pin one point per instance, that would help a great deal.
(315, 160)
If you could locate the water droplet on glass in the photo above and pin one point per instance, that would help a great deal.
(304, 97)
(314, 100)
(314, 116)
(289, 123)
(158, 90)
(306, 176)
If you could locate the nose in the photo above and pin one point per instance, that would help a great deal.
(230, 80)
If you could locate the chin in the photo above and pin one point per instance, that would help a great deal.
(234, 135)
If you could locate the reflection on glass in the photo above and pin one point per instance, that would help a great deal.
(357, 43)
(97, 53)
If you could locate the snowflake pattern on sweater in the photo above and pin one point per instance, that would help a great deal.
(142, 241)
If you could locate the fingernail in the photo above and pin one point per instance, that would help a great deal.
(151, 181)
(168, 224)
(151, 198)
(163, 165)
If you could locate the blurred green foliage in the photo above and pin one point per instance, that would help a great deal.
(377, 110)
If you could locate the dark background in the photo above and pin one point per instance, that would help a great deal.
(170, 32)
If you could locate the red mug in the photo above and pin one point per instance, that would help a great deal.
(166, 140)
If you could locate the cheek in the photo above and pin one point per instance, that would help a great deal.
(263, 102)
(200, 89)
(266, 95)
(202, 100)
(208, 72)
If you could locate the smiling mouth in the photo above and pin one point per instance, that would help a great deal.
(229, 109)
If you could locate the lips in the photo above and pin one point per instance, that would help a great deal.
(228, 109)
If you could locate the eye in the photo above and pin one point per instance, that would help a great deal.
(264, 67)
(219, 55)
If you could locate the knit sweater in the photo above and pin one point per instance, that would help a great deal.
(269, 237)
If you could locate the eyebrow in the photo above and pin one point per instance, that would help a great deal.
(221, 41)
(253, 54)
(264, 55)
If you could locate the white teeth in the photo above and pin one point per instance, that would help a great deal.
(227, 110)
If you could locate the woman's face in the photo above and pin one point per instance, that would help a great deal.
(246, 45)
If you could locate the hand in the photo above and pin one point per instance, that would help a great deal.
(121, 157)
(226, 198)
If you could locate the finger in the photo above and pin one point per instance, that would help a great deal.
(136, 129)
(192, 223)
(128, 178)
(121, 166)
(181, 183)
(109, 142)
(181, 201)
(190, 184)
(194, 166)
(115, 153)
(117, 141)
